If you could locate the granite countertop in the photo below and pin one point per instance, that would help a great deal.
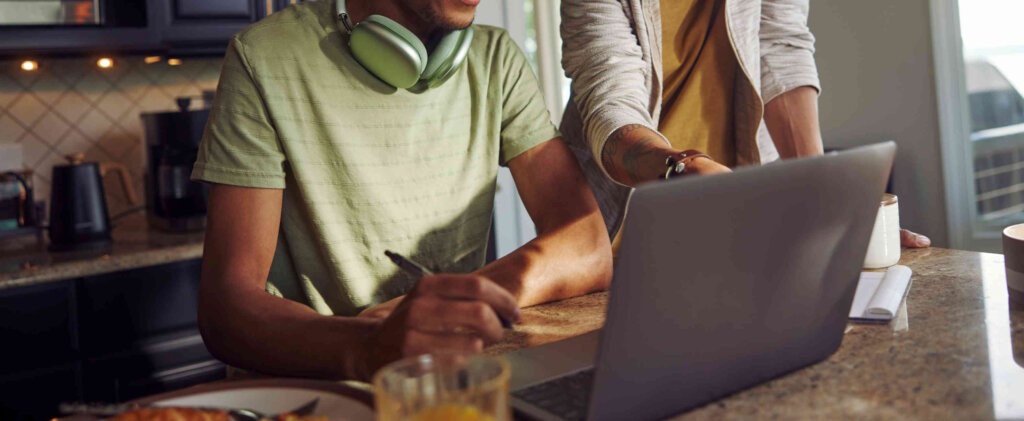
(25, 262)
(956, 351)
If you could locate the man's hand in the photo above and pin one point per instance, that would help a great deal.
(443, 313)
(912, 239)
(383, 310)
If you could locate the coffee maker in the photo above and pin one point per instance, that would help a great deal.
(174, 202)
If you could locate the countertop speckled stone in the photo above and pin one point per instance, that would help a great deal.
(23, 262)
(956, 351)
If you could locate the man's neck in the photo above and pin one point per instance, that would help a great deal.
(392, 9)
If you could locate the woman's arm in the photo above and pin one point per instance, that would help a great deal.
(603, 56)
(792, 120)
(636, 154)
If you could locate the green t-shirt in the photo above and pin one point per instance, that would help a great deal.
(365, 167)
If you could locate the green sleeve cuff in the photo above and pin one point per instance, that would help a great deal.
(512, 149)
(235, 177)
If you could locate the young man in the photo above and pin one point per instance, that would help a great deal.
(317, 167)
(653, 79)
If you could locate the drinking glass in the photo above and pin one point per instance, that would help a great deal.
(445, 387)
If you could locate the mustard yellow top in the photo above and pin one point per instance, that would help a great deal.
(700, 69)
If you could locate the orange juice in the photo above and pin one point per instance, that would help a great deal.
(452, 412)
(443, 387)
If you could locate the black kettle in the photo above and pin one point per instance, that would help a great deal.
(78, 206)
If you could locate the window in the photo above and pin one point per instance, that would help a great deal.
(543, 48)
(980, 73)
(534, 25)
(994, 74)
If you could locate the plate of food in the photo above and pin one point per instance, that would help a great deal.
(272, 399)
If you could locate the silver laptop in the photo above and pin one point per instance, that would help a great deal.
(721, 283)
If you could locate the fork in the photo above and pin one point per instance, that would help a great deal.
(242, 414)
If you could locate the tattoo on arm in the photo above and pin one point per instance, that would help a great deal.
(624, 150)
(612, 147)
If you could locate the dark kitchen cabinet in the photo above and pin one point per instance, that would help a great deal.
(151, 366)
(172, 379)
(170, 27)
(125, 29)
(32, 41)
(197, 26)
(214, 9)
(109, 338)
(37, 327)
(35, 394)
(117, 309)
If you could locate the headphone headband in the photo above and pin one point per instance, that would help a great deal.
(397, 56)
(343, 15)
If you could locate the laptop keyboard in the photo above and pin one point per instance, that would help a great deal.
(567, 396)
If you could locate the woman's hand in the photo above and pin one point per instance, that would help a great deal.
(912, 239)
(635, 154)
(705, 166)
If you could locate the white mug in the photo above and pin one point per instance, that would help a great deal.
(884, 247)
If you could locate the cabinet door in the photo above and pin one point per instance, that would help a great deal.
(203, 26)
(36, 326)
(243, 10)
(35, 395)
(158, 365)
(168, 380)
(118, 310)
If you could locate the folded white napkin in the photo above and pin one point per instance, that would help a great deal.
(879, 294)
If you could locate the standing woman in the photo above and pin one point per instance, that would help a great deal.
(712, 84)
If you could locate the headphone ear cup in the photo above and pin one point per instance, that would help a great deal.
(447, 56)
(457, 59)
(389, 51)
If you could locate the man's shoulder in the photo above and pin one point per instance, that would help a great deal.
(488, 31)
(492, 44)
(486, 37)
(297, 25)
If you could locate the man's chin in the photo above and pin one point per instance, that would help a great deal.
(449, 17)
(454, 23)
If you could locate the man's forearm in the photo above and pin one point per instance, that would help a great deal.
(792, 120)
(566, 262)
(572, 253)
(272, 335)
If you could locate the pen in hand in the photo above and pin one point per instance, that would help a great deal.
(415, 269)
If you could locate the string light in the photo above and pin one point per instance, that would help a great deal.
(173, 61)
(29, 65)
(151, 59)
(105, 63)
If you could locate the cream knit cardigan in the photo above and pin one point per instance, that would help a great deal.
(611, 49)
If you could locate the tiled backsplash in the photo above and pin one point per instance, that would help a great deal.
(71, 105)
